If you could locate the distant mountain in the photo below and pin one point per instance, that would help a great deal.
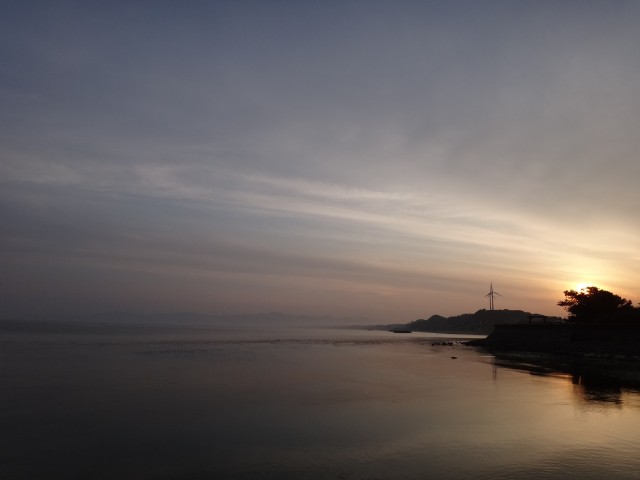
(480, 323)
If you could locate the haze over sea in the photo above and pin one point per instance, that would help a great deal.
(137, 402)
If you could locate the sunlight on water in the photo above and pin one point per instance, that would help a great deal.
(295, 404)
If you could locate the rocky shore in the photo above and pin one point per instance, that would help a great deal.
(607, 353)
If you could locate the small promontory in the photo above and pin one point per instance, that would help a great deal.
(481, 322)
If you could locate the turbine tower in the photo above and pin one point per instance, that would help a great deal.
(491, 294)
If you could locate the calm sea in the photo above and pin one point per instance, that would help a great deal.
(272, 403)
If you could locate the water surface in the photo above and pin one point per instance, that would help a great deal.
(200, 403)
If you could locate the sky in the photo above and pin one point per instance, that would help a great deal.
(383, 159)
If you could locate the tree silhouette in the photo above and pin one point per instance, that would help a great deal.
(592, 304)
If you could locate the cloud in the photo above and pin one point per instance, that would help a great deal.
(378, 152)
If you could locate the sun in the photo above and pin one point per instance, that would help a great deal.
(583, 286)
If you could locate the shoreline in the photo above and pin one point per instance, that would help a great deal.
(598, 355)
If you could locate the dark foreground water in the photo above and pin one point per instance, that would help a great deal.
(109, 403)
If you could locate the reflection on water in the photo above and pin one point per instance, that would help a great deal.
(600, 383)
(297, 404)
(592, 390)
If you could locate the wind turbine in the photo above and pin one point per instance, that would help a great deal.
(491, 294)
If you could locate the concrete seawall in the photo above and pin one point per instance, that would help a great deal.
(565, 338)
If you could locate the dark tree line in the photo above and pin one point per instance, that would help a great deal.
(592, 305)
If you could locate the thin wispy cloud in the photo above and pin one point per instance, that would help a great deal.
(387, 159)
